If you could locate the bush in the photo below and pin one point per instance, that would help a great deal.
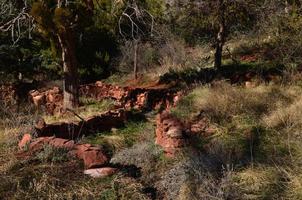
(195, 177)
(143, 155)
(52, 154)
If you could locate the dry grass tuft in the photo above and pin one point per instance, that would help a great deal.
(286, 116)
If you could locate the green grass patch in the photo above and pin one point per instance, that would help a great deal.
(124, 137)
(90, 108)
(190, 105)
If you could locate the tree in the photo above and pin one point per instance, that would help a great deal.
(220, 39)
(58, 20)
(78, 35)
(228, 14)
(136, 24)
(212, 21)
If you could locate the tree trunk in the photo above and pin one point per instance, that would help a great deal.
(220, 39)
(70, 80)
(135, 46)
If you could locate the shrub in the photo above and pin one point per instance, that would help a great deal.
(52, 154)
(195, 177)
(143, 155)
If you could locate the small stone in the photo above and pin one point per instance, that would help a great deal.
(114, 130)
(249, 84)
(94, 158)
(175, 132)
(26, 139)
(99, 83)
(100, 172)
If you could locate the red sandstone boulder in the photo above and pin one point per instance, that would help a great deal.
(100, 172)
(51, 99)
(62, 143)
(169, 134)
(26, 139)
(38, 143)
(69, 145)
(79, 150)
(141, 100)
(94, 158)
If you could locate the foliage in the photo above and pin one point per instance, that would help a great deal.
(52, 154)
(197, 21)
(124, 137)
(94, 34)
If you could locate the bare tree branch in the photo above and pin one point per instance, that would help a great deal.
(137, 17)
(15, 21)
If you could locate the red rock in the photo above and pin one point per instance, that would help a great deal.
(58, 142)
(55, 90)
(37, 144)
(169, 133)
(94, 158)
(198, 127)
(47, 139)
(33, 93)
(26, 139)
(175, 132)
(99, 83)
(249, 84)
(100, 172)
(79, 150)
(50, 98)
(69, 145)
(38, 100)
(176, 98)
(141, 100)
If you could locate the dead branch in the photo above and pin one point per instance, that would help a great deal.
(136, 17)
(15, 22)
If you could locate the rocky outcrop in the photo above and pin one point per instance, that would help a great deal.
(140, 97)
(92, 156)
(61, 135)
(170, 134)
(51, 100)
(103, 122)
(145, 97)
(100, 90)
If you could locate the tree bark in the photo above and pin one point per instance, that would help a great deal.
(70, 79)
(220, 39)
(135, 46)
